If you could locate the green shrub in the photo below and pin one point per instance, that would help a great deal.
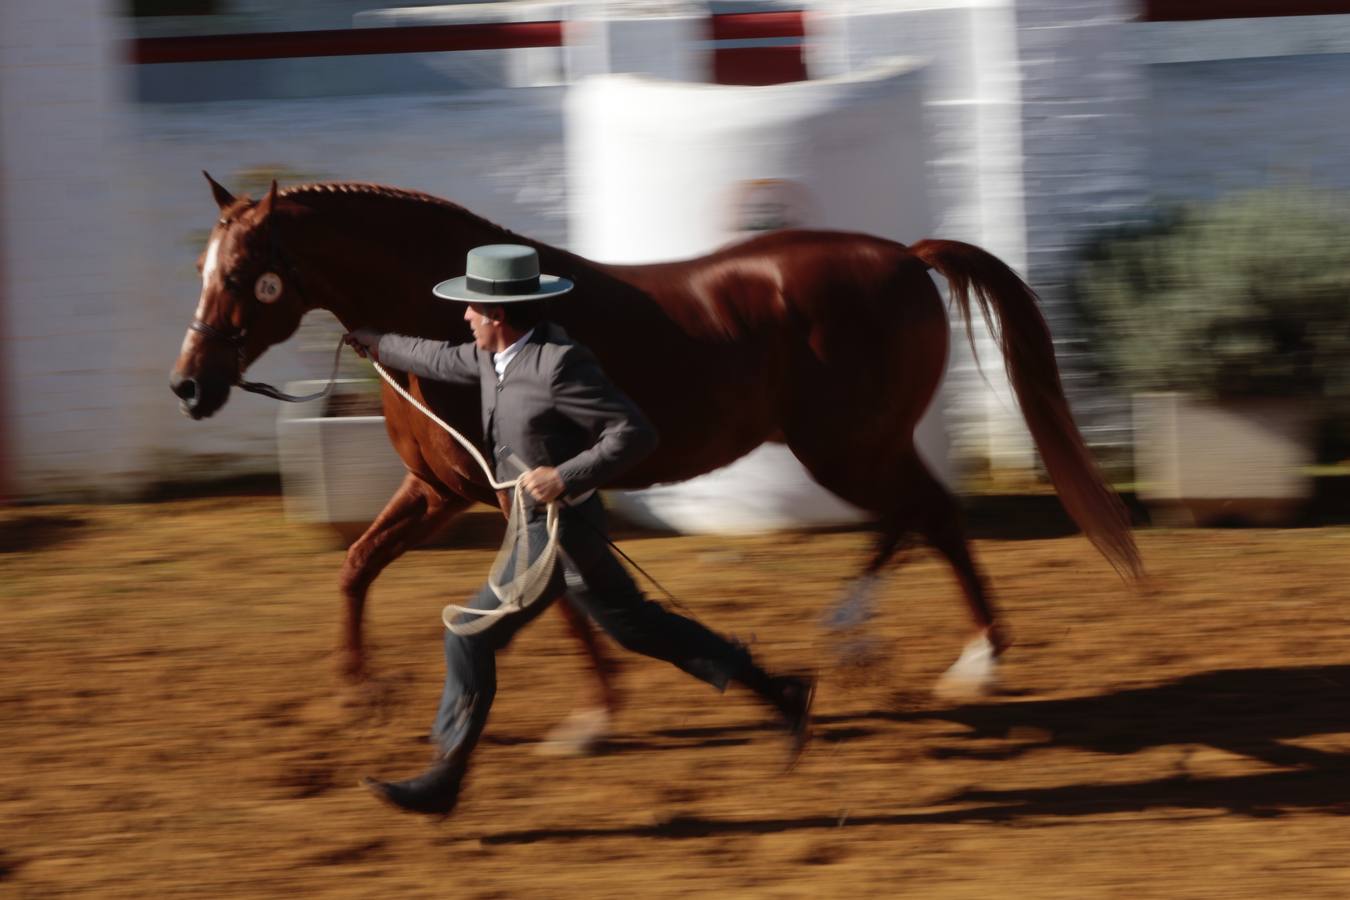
(1247, 295)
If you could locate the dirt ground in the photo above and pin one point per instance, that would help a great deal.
(171, 724)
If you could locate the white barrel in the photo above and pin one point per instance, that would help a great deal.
(662, 170)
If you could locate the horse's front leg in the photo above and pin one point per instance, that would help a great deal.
(414, 512)
(586, 729)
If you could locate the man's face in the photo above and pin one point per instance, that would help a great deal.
(486, 324)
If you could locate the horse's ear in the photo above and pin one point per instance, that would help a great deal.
(265, 207)
(223, 197)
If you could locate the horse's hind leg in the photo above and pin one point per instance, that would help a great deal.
(411, 516)
(945, 530)
(586, 729)
(941, 523)
(858, 603)
(909, 500)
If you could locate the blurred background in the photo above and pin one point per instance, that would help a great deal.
(1166, 174)
(1169, 175)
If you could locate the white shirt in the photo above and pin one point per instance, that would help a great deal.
(503, 359)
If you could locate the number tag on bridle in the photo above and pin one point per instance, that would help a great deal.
(268, 288)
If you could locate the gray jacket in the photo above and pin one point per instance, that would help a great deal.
(553, 407)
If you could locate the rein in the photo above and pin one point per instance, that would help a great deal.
(267, 390)
(236, 340)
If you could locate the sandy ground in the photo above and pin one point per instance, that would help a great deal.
(172, 725)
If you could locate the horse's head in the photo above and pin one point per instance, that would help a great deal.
(249, 302)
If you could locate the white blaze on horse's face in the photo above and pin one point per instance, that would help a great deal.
(210, 263)
(212, 260)
(209, 266)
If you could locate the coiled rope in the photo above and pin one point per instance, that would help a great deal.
(527, 580)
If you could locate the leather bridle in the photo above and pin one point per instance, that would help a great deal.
(239, 336)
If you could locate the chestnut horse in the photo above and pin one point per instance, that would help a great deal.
(830, 342)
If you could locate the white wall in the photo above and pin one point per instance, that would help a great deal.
(1036, 110)
(1247, 102)
(105, 212)
(70, 317)
(1084, 94)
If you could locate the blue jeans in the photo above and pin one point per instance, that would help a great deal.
(597, 583)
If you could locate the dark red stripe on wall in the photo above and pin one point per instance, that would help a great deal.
(758, 65)
(753, 26)
(347, 42)
(418, 39)
(1193, 10)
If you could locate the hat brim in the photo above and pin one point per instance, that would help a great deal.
(457, 289)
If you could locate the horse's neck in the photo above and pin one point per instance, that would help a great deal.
(376, 271)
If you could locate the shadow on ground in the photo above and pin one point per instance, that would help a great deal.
(37, 531)
(1251, 712)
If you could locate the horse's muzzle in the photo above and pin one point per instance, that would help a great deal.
(198, 397)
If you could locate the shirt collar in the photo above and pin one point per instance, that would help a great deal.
(503, 359)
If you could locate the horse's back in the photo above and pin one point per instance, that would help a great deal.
(852, 310)
(788, 331)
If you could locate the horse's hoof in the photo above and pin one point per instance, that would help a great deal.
(583, 733)
(368, 696)
(958, 689)
(354, 674)
(973, 676)
(351, 667)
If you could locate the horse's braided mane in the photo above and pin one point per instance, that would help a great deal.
(324, 189)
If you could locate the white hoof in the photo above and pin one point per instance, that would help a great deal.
(581, 734)
(972, 676)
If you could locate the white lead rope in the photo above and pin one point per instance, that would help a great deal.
(527, 580)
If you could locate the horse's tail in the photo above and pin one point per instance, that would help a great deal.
(1019, 327)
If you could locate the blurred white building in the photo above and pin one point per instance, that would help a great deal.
(1047, 120)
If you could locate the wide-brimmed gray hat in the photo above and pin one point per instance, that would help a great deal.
(502, 273)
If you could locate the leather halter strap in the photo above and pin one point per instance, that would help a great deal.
(211, 332)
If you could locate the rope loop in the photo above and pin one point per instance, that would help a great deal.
(528, 579)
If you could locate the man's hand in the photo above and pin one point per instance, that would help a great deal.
(365, 341)
(543, 483)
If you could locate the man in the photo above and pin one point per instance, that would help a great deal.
(549, 410)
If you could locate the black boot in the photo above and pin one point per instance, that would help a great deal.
(792, 695)
(435, 792)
